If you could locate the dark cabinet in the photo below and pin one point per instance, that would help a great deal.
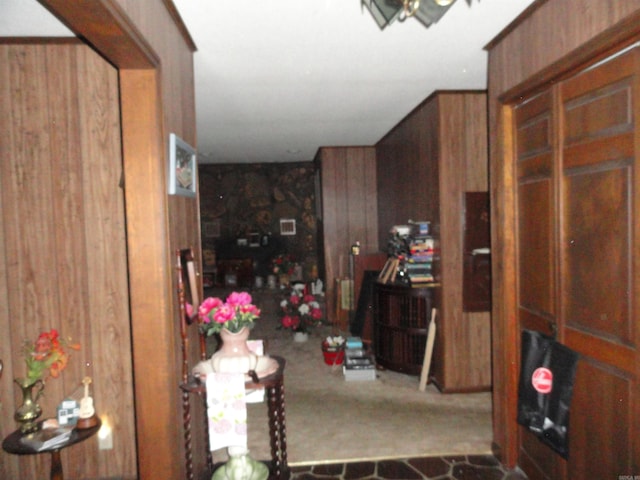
(401, 317)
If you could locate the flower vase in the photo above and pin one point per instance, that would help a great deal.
(29, 412)
(234, 355)
(332, 355)
(241, 467)
(300, 337)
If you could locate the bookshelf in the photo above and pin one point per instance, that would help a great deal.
(401, 319)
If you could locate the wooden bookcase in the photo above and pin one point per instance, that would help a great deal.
(401, 318)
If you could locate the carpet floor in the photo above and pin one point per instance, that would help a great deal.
(330, 420)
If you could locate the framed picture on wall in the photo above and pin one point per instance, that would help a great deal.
(211, 229)
(182, 167)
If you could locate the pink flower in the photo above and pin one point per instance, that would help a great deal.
(224, 314)
(188, 308)
(250, 309)
(207, 305)
(316, 314)
(239, 298)
(308, 298)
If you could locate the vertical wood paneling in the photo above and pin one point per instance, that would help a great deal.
(552, 39)
(63, 230)
(454, 333)
(425, 164)
(105, 243)
(349, 212)
(139, 36)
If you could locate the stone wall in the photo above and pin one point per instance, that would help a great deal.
(242, 205)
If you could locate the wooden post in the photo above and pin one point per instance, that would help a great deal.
(428, 353)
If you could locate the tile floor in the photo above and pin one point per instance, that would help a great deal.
(464, 467)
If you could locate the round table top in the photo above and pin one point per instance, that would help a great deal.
(271, 380)
(13, 444)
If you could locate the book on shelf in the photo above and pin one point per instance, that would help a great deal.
(418, 267)
(47, 438)
(421, 279)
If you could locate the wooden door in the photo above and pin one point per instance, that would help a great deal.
(577, 224)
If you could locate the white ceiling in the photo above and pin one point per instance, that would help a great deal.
(277, 80)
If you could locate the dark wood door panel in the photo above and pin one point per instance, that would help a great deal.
(608, 352)
(594, 80)
(583, 115)
(537, 459)
(577, 199)
(535, 167)
(530, 320)
(596, 250)
(533, 126)
(600, 437)
(536, 252)
(611, 148)
(598, 240)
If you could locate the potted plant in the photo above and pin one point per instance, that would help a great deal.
(232, 319)
(301, 312)
(44, 358)
(333, 350)
(283, 266)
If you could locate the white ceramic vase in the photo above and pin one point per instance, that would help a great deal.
(300, 337)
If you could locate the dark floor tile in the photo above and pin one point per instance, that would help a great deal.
(465, 471)
(483, 460)
(333, 469)
(311, 476)
(430, 466)
(299, 471)
(397, 470)
(515, 475)
(472, 467)
(356, 470)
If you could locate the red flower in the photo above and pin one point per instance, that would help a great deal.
(47, 356)
(291, 321)
(294, 299)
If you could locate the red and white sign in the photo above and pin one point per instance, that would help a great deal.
(542, 380)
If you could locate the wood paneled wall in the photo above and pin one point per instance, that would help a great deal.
(349, 212)
(153, 55)
(408, 171)
(425, 164)
(550, 39)
(64, 260)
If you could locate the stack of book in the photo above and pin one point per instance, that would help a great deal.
(358, 363)
(418, 263)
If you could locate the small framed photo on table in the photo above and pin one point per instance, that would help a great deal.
(182, 167)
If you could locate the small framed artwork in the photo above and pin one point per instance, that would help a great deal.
(287, 226)
(182, 167)
(254, 239)
(211, 229)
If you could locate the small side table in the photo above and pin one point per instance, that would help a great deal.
(274, 387)
(12, 444)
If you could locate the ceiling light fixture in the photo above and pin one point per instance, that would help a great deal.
(426, 11)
